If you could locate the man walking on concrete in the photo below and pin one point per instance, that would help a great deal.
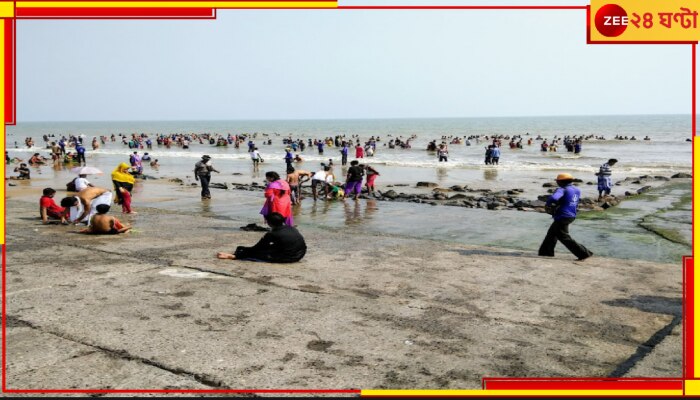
(563, 204)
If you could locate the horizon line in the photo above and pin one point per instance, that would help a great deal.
(18, 122)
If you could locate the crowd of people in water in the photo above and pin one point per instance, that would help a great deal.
(90, 205)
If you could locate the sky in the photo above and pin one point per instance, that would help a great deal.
(341, 64)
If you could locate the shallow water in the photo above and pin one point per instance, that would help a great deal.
(614, 233)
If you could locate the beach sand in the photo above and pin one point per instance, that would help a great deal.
(154, 309)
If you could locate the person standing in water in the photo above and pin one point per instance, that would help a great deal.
(202, 173)
(605, 178)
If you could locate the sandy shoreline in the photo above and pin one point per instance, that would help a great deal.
(154, 309)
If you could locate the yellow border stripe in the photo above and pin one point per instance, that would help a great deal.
(7, 9)
(178, 4)
(372, 392)
(692, 387)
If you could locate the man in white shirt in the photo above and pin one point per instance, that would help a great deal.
(255, 156)
(319, 178)
(82, 183)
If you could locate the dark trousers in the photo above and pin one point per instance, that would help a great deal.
(344, 160)
(559, 230)
(81, 158)
(205, 185)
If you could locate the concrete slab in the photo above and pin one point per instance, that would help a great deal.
(372, 311)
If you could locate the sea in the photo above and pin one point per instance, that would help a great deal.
(619, 233)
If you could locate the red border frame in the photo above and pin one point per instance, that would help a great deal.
(487, 383)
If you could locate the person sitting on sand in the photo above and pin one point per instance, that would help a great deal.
(84, 205)
(103, 224)
(283, 244)
(24, 173)
(49, 209)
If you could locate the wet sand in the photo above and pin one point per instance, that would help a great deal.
(155, 309)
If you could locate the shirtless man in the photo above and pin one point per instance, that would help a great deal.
(84, 204)
(103, 224)
(295, 177)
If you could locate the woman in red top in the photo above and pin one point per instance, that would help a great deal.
(49, 209)
(277, 198)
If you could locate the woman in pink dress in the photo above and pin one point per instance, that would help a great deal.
(277, 198)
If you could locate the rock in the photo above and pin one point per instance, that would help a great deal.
(643, 189)
(681, 175)
(453, 203)
(192, 184)
(389, 185)
(537, 204)
(390, 194)
(549, 185)
(417, 200)
(175, 180)
(662, 178)
(401, 184)
(12, 184)
(481, 204)
(426, 184)
(493, 205)
(439, 196)
(590, 183)
(432, 203)
(521, 203)
(543, 197)
(606, 205)
(254, 184)
(405, 196)
(236, 173)
(513, 192)
(458, 196)
(628, 193)
(457, 188)
(218, 186)
(636, 181)
(441, 190)
(468, 203)
(423, 196)
(551, 190)
(577, 180)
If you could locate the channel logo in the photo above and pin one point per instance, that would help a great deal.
(611, 20)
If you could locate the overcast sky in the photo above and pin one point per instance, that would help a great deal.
(307, 64)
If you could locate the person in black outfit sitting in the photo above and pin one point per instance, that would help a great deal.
(283, 244)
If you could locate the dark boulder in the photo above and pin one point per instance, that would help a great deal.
(426, 184)
(681, 175)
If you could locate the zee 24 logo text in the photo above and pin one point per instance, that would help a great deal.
(611, 20)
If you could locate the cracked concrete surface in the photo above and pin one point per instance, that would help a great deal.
(154, 309)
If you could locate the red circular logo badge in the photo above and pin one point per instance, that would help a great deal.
(611, 20)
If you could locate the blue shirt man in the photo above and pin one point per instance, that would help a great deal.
(566, 197)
